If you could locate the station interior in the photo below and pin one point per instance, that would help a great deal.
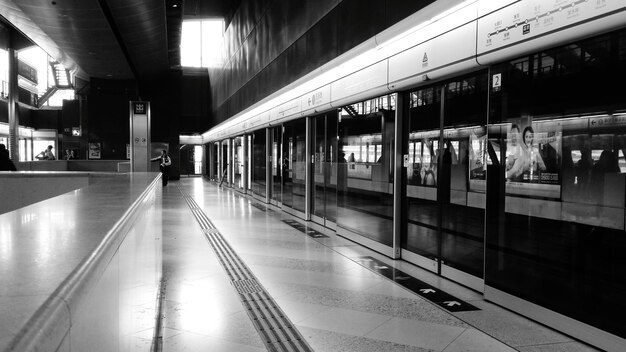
(315, 175)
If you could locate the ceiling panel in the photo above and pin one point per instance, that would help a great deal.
(114, 39)
(78, 32)
(142, 26)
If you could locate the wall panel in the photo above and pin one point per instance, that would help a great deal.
(265, 42)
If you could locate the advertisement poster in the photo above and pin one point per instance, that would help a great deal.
(533, 158)
(94, 150)
(422, 169)
(477, 161)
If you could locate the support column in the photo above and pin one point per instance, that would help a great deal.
(308, 179)
(245, 161)
(139, 136)
(399, 174)
(268, 165)
(14, 121)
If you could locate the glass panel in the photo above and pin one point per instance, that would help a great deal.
(198, 157)
(287, 164)
(319, 155)
(557, 238)
(258, 163)
(422, 210)
(294, 164)
(330, 166)
(215, 161)
(365, 183)
(224, 161)
(461, 187)
(277, 158)
(249, 160)
(238, 162)
(229, 161)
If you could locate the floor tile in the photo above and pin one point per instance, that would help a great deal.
(322, 340)
(472, 340)
(345, 321)
(416, 333)
(410, 308)
(363, 344)
(559, 347)
(191, 342)
(317, 279)
(298, 311)
(510, 328)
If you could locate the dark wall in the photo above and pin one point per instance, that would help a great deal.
(164, 94)
(108, 113)
(107, 121)
(270, 44)
(24, 114)
(73, 113)
(195, 111)
(42, 119)
(4, 111)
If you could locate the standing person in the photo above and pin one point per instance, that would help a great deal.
(46, 154)
(164, 165)
(5, 161)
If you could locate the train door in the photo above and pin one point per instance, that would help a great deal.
(446, 179)
(276, 165)
(324, 171)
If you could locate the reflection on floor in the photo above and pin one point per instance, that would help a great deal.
(323, 284)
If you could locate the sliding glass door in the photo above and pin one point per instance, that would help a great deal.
(324, 147)
(446, 178)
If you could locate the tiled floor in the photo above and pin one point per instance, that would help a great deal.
(335, 303)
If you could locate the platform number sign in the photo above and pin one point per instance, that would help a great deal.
(139, 108)
(496, 82)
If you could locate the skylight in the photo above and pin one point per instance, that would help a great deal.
(201, 42)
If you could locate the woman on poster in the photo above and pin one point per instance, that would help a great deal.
(528, 161)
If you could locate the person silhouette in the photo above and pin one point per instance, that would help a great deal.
(5, 161)
(164, 165)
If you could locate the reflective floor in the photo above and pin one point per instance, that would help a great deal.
(335, 302)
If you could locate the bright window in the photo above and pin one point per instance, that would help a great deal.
(39, 60)
(4, 73)
(201, 42)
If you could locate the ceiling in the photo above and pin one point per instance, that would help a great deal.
(111, 39)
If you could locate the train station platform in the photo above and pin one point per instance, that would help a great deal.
(244, 276)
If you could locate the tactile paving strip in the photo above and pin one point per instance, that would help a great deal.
(275, 329)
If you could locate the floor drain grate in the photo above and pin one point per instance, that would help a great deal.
(276, 330)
